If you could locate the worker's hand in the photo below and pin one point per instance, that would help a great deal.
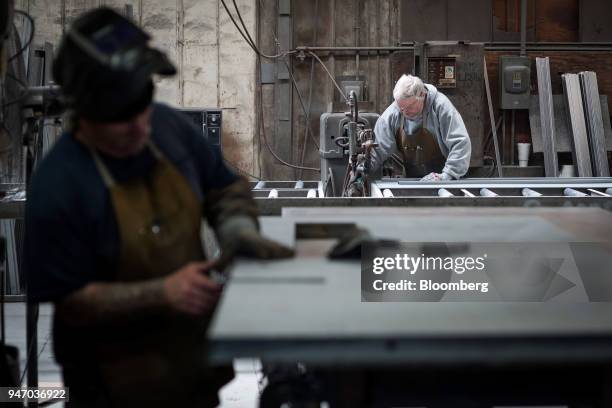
(251, 244)
(437, 177)
(190, 291)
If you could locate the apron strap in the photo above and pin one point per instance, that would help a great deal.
(155, 150)
(107, 177)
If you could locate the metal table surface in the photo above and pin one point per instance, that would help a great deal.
(309, 309)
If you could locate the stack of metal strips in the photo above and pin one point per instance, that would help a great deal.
(576, 124)
(594, 122)
(547, 118)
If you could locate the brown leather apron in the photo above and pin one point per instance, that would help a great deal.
(161, 360)
(420, 152)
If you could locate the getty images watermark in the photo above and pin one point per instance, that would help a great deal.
(468, 272)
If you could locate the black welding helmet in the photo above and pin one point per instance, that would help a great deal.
(105, 67)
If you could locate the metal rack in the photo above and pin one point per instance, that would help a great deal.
(287, 189)
(487, 188)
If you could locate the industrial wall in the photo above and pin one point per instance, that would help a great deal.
(323, 23)
(218, 69)
(384, 23)
(215, 66)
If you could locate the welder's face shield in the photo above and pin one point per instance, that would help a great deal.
(121, 46)
(105, 67)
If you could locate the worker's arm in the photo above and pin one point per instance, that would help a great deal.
(230, 209)
(186, 291)
(232, 213)
(228, 206)
(455, 136)
(384, 132)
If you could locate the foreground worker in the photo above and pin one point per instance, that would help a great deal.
(426, 130)
(113, 228)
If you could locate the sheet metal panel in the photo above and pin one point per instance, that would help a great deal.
(594, 121)
(479, 15)
(577, 124)
(547, 117)
(423, 20)
(268, 310)
(562, 136)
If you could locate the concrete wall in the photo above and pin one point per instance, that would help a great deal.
(216, 68)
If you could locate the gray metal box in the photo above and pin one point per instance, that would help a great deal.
(514, 82)
(209, 121)
(333, 157)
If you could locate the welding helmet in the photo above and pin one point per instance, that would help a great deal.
(105, 67)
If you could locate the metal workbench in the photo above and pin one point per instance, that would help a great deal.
(309, 309)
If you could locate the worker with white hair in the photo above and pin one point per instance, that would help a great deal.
(426, 130)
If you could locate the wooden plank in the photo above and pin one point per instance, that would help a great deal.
(423, 20)
(577, 124)
(478, 12)
(595, 17)
(547, 117)
(557, 20)
(594, 121)
(506, 22)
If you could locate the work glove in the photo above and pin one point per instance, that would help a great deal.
(252, 244)
(437, 177)
(239, 236)
(232, 213)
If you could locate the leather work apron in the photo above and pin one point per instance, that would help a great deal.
(158, 361)
(420, 152)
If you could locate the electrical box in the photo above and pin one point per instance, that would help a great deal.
(442, 72)
(514, 82)
(209, 120)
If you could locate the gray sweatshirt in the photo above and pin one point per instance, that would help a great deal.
(443, 120)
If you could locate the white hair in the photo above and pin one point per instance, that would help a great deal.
(408, 86)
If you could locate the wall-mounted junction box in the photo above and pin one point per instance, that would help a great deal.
(514, 82)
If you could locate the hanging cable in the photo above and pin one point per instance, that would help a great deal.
(244, 27)
(262, 128)
(261, 131)
(239, 170)
(30, 38)
(301, 99)
(247, 37)
(329, 74)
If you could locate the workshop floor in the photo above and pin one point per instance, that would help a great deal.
(242, 392)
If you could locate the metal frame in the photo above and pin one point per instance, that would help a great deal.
(474, 188)
(287, 189)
